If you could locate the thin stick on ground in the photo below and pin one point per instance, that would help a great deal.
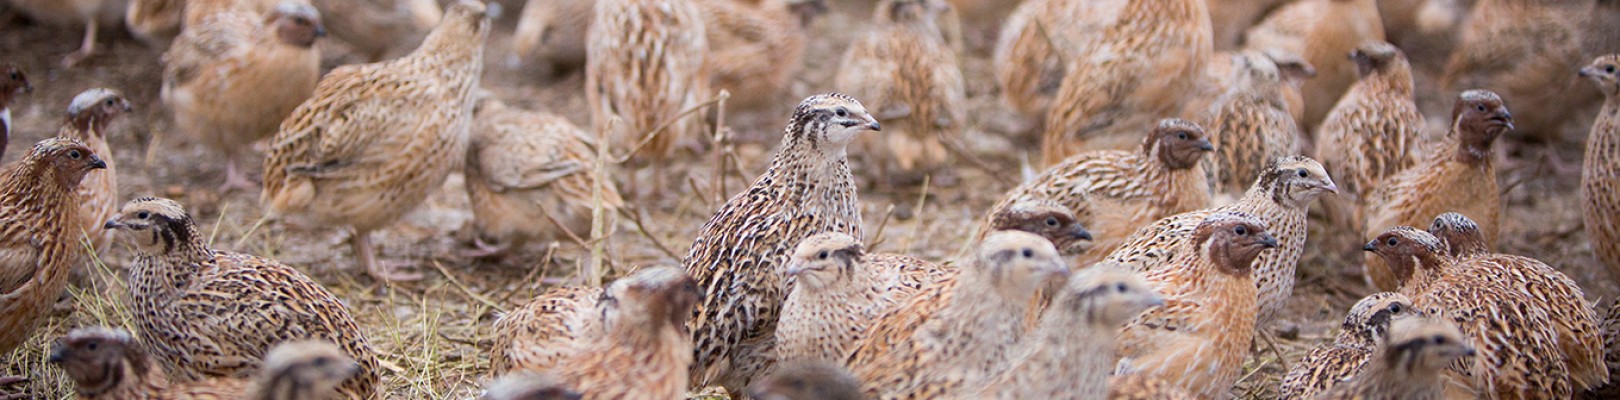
(648, 138)
(877, 236)
(635, 217)
(720, 143)
(464, 289)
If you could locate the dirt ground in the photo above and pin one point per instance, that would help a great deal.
(433, 336)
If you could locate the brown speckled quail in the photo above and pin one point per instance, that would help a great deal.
(376, 139)
(1028, 68)
(1518, 349)
(1113, 192)
(808, 189)
(1321, 31)
(12, 83)
(210, 313)
(1138, 72)
(1252, 121)
(1600, 176)
(643, 66)
(1199, 337)
(1281, 196)
(545, 331)
(756, 49)
(1329, 364)
(529, 385)
(644, 348)
(949, 339)
(910, 78)
(1144, 387)
(551, 34)
(303, 370)
(109, 364)
(39, 234)
(1372, 133)
(808, 381)
(835, 296)
(1069, 354)
(378, 29)
(525, 169)
(88, 119)
(1527, 51)
(1408, 363)
(1458, 176)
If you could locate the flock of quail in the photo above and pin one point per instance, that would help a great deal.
(1156, 240)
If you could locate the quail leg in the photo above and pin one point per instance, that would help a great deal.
(234, 178)
(86, 49)
(380, 270)
(482, 249)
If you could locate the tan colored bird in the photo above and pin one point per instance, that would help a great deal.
(1134, 75)
(39, 234)
(1574, 321)
(1252, 120)
(1028, 66)
(1144, 387)
(1519, 355)
(1330, 364)
(1281, 196)
(645, 350)
(808, 381)
(1041, 216)
(1322, 31)
(545, 331)
(88, 117)
(109, 364)
(1525, 51)
(234, 75)
(158, 22)
(756, 48)
(529, 386)
(552, 33)
(376, 139)
(1198, 338)
(644, 65)
(304, 369)
(1231, 18)
(909, 76)
(1115, 191)
(1600, 176)
(1069, 355)
(949, 339)
(379, 29)
(736, 257)
(1458, 176)
(1611, 355)
(211, 313)
(1372, 133)
(92, 15)
(834, 297)
(12, 83)
(1408, 363)
(525, 169)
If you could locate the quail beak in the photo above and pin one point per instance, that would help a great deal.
(1154, 301)
(320, 31)
(797, 269)
(96, 163)
(58, 355)
(1331, 187)
(1370, 246)
(874, 125)
(112, 224)
(1203, 145)
(1268, 241)
(1503, 118)
(1080, 233)
(1057, 271)
(1587, 72)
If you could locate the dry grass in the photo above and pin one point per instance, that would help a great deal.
(433, 335)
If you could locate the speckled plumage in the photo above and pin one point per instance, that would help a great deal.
(303, 370)
(1527, 51)
(12, 83)
(376, 29)
(835, 296)
(525, 168)
(209, 313)
(1330, 364)
(1372, 133)
(376, 139)
(1281, 196)
(904, 70)
(88, 118)
(1408, 363)
(1143, 387)
(756, 48)
(1458, 176)
(1198, 338)
(1028, 68)
(1070, 353)
(545, 331)
(1113, 192)
(950, 338)
(529, 386)
(1600, 176)
(644, 64)
(1518, 348)
(109, 364)
(807, 190)
(552, 33)
(644, 351)
(1252, 122)
(1572, 318)
(1611, 355)
(808, 381)
(1136, 73)
(1323, 32)
(232, 76)
(39, 233)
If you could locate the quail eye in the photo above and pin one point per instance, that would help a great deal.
(1302, 173)
(1182, 136)
(75, 155)
(1393, 241)
(1029, 253)
(822, 255)
(1395, 308)
(92, 346)
(17, 77)
(1440, 340)
(1120, 287)
(109, 102)
(143, 215)
(841, 113)
(1480, 107)
(1609, 69)
(1050, 221)
(321, 361)
(1240, 230)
